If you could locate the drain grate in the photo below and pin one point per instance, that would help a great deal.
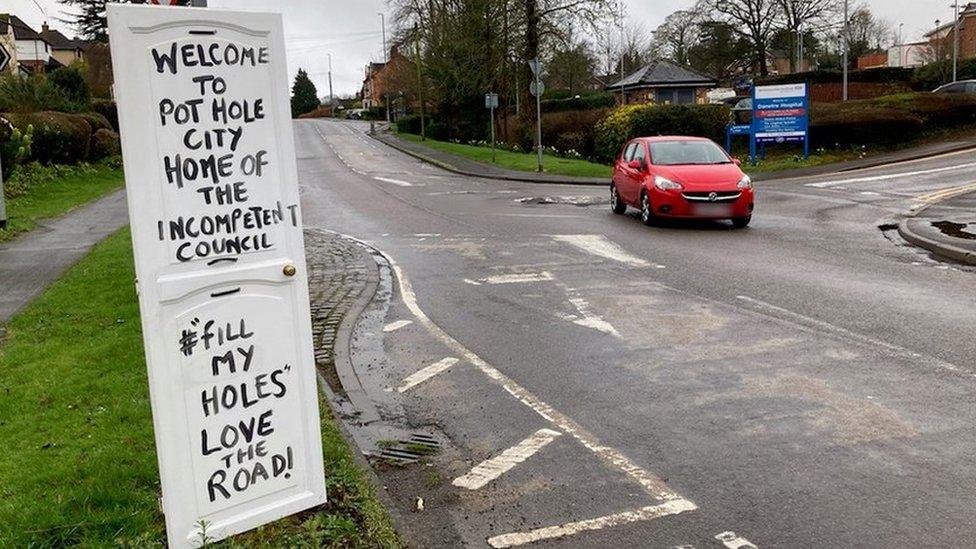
(411, 450)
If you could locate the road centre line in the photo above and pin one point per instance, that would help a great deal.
(649, 482)
(735, 541)
(601, 246)
(803, 320)
(945, 194)
(424, 374)
(515, 539)
(396, 325)
(827, 184)
(492, 468)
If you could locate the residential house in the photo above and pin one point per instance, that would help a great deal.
(914, 54)
(32, 52)
(65, 50)
(389, 84)
(941, 38)
(372, 91)
(781, 62)
(664, 82)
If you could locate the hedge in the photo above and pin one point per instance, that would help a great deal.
(881, 75)
(59, 138)
(572, 133)
(107, 108)
(602, 100)
(631, 121)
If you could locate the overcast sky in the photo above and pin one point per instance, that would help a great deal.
(351, 31)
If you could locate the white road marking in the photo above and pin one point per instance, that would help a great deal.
(492, 468)
(515, 539)
(826, 184)
(393, 181)
(517, 278)
(426, 373)
(553, 216)
(803, 320)
(599, 245)
(587, 317)
(396, 325)
(649, 482)
(734, 541)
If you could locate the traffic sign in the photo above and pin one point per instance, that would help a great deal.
(537, 88)
(535, 65)
(4, 58)
(491, 100)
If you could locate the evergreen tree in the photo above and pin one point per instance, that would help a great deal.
(304, 97)
(88, 17)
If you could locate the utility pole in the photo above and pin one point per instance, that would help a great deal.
(901, 45)
(420, 81)
(3, 204)
(847, 42)
(955, 43)
(331, 100)
(537, 90)
(386, 52)
(620, 14)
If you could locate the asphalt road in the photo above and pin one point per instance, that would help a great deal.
(806, 382)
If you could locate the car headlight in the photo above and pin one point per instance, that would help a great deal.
(666, 184)
(745, 183)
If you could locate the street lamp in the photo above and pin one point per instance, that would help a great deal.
(955, 42)
(847, 43)
(331, 100)
(383, 27)
(901, 46)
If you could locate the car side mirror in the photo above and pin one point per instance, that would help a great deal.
(635, 165)
(736, 161)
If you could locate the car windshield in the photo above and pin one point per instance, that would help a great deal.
(671, 153)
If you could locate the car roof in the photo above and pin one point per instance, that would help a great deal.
(659, 138)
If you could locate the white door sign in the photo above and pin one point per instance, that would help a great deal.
(216, 228)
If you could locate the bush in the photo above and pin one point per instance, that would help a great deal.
(70, 81)
(932, 75)
(602, 100)
(881, 75)
(410, 124)
(96, 121)
(24, 95)
(33, 174)
(107, 108)
(105, 143)
(15, 146)
(59, 138)
(631, 121)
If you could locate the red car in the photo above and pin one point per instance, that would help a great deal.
(681, 177)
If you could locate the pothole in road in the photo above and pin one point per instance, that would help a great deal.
(954, 230)
(581, 201)
(885, 227)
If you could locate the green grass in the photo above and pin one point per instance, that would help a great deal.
(780, 160)
(78, 464)
(526, 162)
(40, 193)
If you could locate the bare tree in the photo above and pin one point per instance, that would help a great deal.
(752, 19)
(807, 15)
(678, 34)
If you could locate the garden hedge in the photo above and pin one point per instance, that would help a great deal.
(107, 108)
(631, 121)
(59, 138)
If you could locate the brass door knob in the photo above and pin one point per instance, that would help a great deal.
(289, 270)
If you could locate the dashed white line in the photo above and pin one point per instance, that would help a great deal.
(423, 375)
(396, 325)
(393, 181)
(588, 319)
(516, 278)
(492, 468)
(649, 482)
(734, 541)
(515, 539)
(826, 184)
(599, 245)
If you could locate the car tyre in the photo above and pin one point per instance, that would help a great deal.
(616, 205)
(741, 222)
(647, 210)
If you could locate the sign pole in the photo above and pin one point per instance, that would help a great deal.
(3, 203)
(493, 132)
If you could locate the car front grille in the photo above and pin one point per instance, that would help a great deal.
(717, 196)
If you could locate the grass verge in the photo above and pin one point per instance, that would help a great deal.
(36, 192)
(78, 461)
(526, 162)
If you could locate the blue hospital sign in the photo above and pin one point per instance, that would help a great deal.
(780, 114)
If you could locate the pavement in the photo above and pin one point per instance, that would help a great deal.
(591, 382)
(32, 261)
(947, 229)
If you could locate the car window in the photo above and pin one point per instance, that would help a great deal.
(971, 87)
(629, 153)
(640, 154)
(671, 153)
(958, 87)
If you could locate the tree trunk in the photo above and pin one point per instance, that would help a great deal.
(532, 20)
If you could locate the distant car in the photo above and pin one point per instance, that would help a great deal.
(742, 111)
(681, 177)
(962, 86)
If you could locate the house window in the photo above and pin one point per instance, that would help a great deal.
(676, 96)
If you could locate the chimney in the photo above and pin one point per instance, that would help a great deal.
(44, 28)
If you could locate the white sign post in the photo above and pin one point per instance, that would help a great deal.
(213, 200)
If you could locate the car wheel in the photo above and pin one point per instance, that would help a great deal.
(741, 222)
(616, 205)
(647, 213)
